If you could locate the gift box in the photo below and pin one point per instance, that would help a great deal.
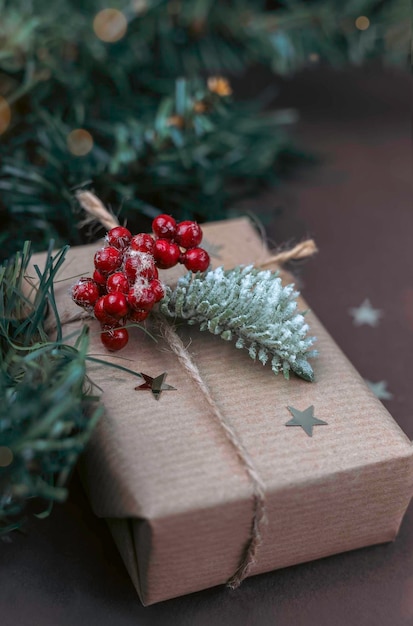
(180, 501)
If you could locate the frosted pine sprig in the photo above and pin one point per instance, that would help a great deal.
(249, 306)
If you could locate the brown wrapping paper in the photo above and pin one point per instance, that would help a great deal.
(175, 495)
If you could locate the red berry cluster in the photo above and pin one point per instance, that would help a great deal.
(125, 284)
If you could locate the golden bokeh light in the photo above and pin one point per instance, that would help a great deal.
(219, 85)
(5, 115)
(362, 22)
(79, 142)
(110, 25)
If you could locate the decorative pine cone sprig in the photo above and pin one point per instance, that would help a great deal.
(249, 306)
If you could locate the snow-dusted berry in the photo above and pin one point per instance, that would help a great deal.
(142, 243)
(119, 237)
(139, 264)
(141, 296)
(85, 293)
(108, 260)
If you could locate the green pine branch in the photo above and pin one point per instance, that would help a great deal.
(251, 307)
(57, 75)
(169, 156)
(47, 411)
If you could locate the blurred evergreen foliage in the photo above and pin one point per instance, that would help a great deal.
(154, 136)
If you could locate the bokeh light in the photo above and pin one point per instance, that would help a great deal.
(219, 85)
(5, 115)
(314, 57)
(362, 22)
(110, 25)
(79, 142)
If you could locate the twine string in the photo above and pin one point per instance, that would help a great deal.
(96, 210)
(302, 250)
(259, 512)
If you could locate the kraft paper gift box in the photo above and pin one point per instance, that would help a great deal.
(175, 494)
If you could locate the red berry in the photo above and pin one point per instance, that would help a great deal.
(101, 313)
(196, 260)
(141, 296)
(164, 226)
(85, 292)
(114, 338)
(140, 264)
(188, 234)
(142, 243)
(117, 282)
(119, 237)
(157, 289)
(99, 278)
(115, 305)
(130, 270)
(166, 253)
(108, 260)
(138, 316)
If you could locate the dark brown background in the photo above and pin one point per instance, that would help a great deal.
(357, 203)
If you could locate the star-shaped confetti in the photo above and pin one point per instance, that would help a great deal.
(380, 389)
(365, 314)
(305, 419)
(156, 385)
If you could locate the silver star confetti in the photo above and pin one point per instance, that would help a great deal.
(156, 385)
(305, 419)
(365, 314)
(380, 389)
